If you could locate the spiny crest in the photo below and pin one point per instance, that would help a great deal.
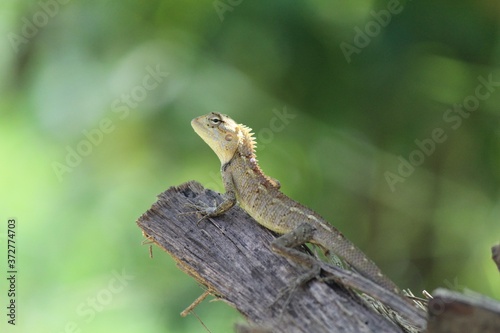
(249, 142)
(247, 148)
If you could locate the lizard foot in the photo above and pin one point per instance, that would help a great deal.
(290, 291)
(201, 209)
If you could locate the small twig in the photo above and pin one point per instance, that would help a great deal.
(201, 321)
(197, 301)
(148, 241)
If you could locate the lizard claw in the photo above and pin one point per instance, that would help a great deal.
(201, 209)
(290, 291)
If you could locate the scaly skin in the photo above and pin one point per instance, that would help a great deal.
(259, 196)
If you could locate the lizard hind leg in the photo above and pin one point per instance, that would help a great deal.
(285, 246)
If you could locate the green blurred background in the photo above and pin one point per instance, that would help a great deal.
(96, 100)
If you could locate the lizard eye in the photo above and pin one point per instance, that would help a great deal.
(215, 121)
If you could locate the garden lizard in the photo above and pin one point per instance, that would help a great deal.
(260, 196)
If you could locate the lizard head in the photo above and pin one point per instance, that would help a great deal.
(224, 135)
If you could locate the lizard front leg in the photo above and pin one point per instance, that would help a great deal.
(229, 199)
(228, 202)
(285, 246)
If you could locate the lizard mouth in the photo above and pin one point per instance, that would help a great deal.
(197, 126)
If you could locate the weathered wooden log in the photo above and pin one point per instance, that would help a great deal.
(451, 312)
(231, 256)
